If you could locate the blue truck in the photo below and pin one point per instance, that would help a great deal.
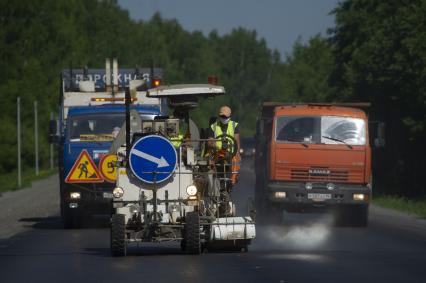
(91, 115)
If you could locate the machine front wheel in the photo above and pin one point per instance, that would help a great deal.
(118, 235)
(192, 241)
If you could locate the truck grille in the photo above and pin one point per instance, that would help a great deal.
(322, 174)
(319, 174)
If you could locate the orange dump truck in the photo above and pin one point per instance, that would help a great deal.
(313, 157)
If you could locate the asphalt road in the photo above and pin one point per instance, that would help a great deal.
(305, 249)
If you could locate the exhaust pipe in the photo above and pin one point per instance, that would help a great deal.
(115, 74)
(127, 103)
(107, 75)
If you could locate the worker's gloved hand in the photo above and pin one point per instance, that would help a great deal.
(211, 144)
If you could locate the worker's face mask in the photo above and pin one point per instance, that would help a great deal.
(224, 120)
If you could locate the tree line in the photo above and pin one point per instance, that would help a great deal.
(376, 53)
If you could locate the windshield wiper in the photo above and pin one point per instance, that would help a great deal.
(334, 139)
(299, 142)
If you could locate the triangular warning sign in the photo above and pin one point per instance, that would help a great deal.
(84, 170)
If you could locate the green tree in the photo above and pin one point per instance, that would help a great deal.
(305, 74)
(380, 51)
(40, 38)
(244, 65)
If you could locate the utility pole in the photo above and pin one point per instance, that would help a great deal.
(51, 146)
(36, 137)
(18, 134)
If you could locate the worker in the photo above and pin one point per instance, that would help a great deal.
(183, 128)
(224, 125)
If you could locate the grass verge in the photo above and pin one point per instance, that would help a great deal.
(9, 181)
(412, 206)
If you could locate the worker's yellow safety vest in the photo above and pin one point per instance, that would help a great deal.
(177, 141)
(217, 130)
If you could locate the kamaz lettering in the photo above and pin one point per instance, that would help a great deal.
(317, 171)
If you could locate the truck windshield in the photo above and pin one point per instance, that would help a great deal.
(98, 127)
(95, 127)
(320, 129)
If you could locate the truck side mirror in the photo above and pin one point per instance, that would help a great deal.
(379, 140)
(53, 131)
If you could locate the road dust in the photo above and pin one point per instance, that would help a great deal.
(301, 232)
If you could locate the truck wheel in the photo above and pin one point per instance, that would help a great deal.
(266, 213)
(261, 208)
(118, 235)
(359, 216)
(275, 215)
(341, 218)
(356, 216)
(67, 220)
(70, 219)
(192, 233)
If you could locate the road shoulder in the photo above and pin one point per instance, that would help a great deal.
(398, 220)
(20, 209)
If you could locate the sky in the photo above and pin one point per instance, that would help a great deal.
(279, 22)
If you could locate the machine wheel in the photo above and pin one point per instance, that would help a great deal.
(243, 247)
(118, 235)
(192, 233)
(183, 245)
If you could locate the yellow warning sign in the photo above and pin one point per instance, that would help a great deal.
(108, 168)
(84, 170)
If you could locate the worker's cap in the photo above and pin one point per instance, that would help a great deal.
(225, 111)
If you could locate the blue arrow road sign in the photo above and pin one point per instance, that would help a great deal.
(153, 159)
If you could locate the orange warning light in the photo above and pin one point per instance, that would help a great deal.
(156, 82)
(214, 80)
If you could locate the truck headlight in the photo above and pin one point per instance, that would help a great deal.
(360, 197)
(191, 190)
(330, 186)
(118, 192)
(308, 186)
(280, 195)
(75, 195)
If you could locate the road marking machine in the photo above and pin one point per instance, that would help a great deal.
(173, 186)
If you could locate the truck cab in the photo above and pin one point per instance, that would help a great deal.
(314, 157)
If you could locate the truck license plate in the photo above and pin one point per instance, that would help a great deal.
(107, 195)
(319, 197)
